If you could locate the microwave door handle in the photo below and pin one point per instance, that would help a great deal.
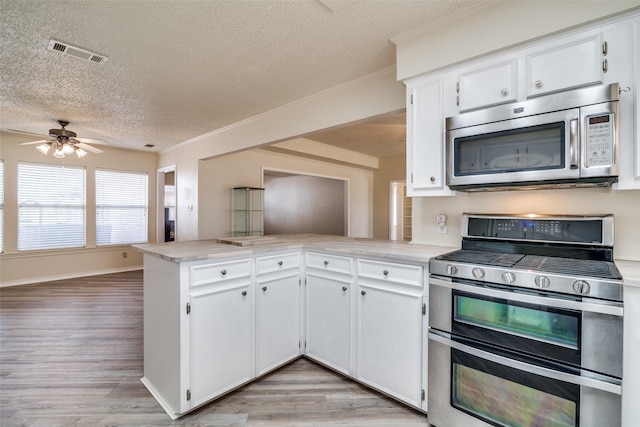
(573, 144)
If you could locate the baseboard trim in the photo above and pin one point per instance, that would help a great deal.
(32, 280)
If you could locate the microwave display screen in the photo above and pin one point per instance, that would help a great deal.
(599, 119)
(530, 148)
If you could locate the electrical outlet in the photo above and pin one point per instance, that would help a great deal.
(442, 229)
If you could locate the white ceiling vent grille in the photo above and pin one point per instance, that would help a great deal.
(57, 46)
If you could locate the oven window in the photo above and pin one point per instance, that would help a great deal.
(539, 323)
(531, 148)
(504, 396)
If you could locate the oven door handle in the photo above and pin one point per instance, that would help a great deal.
(598, 384)
(612, 310)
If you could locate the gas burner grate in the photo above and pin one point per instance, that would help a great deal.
(480, 257)
(570, 266)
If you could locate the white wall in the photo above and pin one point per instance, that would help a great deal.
(217, 176)
(38, 266)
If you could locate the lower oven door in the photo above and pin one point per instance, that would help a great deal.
(472, 386)
(576, 332)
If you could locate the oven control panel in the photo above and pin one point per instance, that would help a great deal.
(599, 140)
(587, 231)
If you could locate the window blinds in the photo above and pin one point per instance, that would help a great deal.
(51, 207)
(121, 207)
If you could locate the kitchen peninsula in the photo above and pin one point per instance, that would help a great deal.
(219, 315)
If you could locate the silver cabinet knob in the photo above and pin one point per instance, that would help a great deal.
(223, 272)
(264, 288)
(581, 287)
(504, 92)
(244, 293)
(363, 292)
(344, 288)
(538, 83)
(326, 263)
(432, 179)
(542, 281)
(478, 273)
(280, 263)
(385, 272)
(451, 269)
(508, 277)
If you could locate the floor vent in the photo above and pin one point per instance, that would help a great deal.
(58, 46)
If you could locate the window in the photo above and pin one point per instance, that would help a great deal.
(51, 207)
(121, 207)
(1, 206)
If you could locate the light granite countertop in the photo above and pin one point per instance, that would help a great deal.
(393, 250)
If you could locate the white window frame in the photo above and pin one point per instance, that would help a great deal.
(52, 206)
(122, 207)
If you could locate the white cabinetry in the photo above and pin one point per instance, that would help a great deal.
(329, 280)
(278, 315)
(565, 64)
(390, 325)
(425, 138)
(491, 84)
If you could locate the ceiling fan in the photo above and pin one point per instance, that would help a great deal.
(64, 142)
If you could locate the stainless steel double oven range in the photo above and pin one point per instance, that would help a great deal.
(525, 324)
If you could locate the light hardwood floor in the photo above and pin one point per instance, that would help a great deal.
(71, 355)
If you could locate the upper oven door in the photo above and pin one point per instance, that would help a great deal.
(535, 148)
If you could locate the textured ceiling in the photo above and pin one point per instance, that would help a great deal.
(180, 69)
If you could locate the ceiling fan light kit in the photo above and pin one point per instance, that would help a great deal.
(64, 142)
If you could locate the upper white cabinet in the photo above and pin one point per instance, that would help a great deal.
(565, 64)
(492, 84)
(425, 138)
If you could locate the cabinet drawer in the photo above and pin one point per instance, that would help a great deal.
(334, 263)
(402, 273)
(210, 273)
(273, 263)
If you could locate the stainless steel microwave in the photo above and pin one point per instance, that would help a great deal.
(567, 139)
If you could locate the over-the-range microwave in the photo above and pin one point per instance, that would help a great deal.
(567, 139)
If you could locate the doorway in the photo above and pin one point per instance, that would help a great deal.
(166, 178)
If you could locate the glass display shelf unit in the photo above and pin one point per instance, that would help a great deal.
(247, 211)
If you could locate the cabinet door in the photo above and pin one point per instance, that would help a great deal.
(220, 324)
(277, 322)
(491, 85)
(328, 336)
(571, 64)
(389, 340)
(425, 139)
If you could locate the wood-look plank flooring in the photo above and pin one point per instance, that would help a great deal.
(71, 355)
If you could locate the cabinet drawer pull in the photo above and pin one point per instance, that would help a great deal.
(385, 272)
(363, 292)
(244, 293)
(264, 288)
(538, 83)
(344, 288)
(223, 272)
(280, 263)
(326, 263)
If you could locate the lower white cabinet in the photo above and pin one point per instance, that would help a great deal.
(221, 340)
(329, 323)
(277, 321)
(390, 331)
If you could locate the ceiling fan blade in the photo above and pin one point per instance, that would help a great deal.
(89, 148)
(22, 132)
(35, 142)
(92, 141)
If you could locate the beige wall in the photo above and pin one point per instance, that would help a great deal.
(217, 176)
(391, 169)
(624, 205)
(37, 266)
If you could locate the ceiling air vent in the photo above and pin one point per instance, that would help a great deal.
(58, 46)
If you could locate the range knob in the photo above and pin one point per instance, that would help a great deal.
(581, 287)
(542, 281)
(451, 269)
(478, 273)
(508, 277)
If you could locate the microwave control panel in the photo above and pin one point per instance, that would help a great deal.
(599, 140)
